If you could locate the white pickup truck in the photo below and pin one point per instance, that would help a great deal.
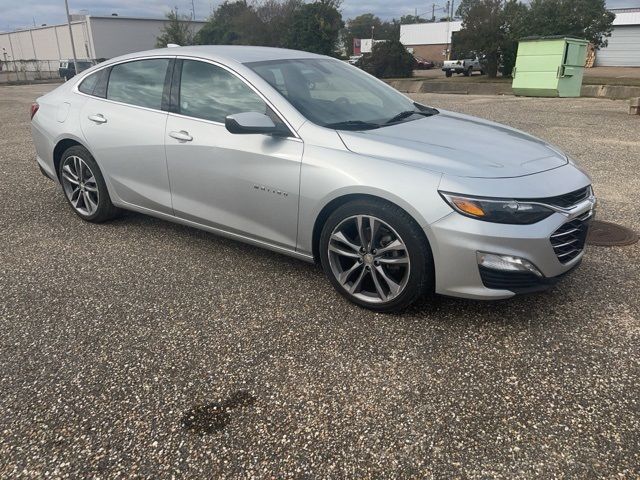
(466, 66)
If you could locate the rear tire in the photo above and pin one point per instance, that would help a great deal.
(388, 270)
(84, 186)
(468, 71)
(448, 73)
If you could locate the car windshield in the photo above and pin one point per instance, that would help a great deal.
(333, 94)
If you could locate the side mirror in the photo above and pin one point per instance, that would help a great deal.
(253, 123)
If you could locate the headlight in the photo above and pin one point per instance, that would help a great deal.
(497, 210)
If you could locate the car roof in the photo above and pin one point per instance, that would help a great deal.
(228, 53)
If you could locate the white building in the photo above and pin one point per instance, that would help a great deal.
(624, 44)
(95, 37)
(429, 40)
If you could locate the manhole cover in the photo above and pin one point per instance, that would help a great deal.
(607, 234)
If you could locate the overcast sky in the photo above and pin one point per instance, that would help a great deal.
(21, 13)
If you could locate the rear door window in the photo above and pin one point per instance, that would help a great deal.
(140, 82)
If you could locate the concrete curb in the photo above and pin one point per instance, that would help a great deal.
(613, 92)
(33, 82)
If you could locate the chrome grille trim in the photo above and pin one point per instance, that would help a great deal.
(569, 239)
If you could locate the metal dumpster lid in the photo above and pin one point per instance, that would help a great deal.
(555, 37)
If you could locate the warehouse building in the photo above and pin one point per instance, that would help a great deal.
(624, 44)
(95, 37)
(432, 40)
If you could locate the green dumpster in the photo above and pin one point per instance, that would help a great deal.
(549, 67)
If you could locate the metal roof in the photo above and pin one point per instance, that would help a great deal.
(627, 17)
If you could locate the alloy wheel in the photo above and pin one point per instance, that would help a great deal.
(369, 259)
(79, 184)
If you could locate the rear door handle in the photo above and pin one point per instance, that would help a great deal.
(181, 135)
(98, 118)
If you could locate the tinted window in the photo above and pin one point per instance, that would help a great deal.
(330, 91)
(89, 83)
(138, 83)
(212, 93)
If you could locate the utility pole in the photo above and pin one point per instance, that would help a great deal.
(448, 30)
(433, 12)
(73, 46)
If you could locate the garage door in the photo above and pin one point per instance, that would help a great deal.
(623, 49)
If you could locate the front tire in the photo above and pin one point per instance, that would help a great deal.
(376, 256)
(84, 186)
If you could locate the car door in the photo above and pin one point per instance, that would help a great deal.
(242, 184)
(125, 126)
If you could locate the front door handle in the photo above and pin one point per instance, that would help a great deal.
(98, 118)
(181, 135)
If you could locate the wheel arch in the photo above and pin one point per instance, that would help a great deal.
(61, 146)
(340, 200)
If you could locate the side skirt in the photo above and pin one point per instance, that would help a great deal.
(223, 233)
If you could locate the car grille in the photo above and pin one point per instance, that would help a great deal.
(564, 201)
(568, 240)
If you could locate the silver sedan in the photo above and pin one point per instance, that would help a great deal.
(311, 157)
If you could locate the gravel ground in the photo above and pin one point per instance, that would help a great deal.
(118, 338)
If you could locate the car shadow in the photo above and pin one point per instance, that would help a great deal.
(524, 310)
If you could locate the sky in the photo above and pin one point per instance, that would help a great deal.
(21, 13)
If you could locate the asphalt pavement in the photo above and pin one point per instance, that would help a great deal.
(141, 348)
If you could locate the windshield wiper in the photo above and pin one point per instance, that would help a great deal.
(426, 112)
(353, 125)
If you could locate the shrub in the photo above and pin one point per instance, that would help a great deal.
(389, 60)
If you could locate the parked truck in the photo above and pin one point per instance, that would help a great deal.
(466, 66)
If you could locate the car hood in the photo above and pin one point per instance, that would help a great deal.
(456, 144)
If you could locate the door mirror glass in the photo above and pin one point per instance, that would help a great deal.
(253, 122)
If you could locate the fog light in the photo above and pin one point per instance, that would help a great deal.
(506, 263)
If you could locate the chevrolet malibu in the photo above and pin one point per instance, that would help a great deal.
(311, 157)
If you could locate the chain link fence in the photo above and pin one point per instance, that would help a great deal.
(27, 71)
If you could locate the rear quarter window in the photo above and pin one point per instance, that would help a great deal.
(89, 84)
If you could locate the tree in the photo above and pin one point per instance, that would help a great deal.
(389, 59)
(514, 28)
(315, 27)
(275, 23)
(411, 19)
(588, 19)
(232, 23)
(360, 27)
(276, 16)
(482, 31)
(176, 30)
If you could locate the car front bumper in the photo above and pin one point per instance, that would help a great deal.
(456, 241)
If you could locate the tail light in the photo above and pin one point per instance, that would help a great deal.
(34, 109)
